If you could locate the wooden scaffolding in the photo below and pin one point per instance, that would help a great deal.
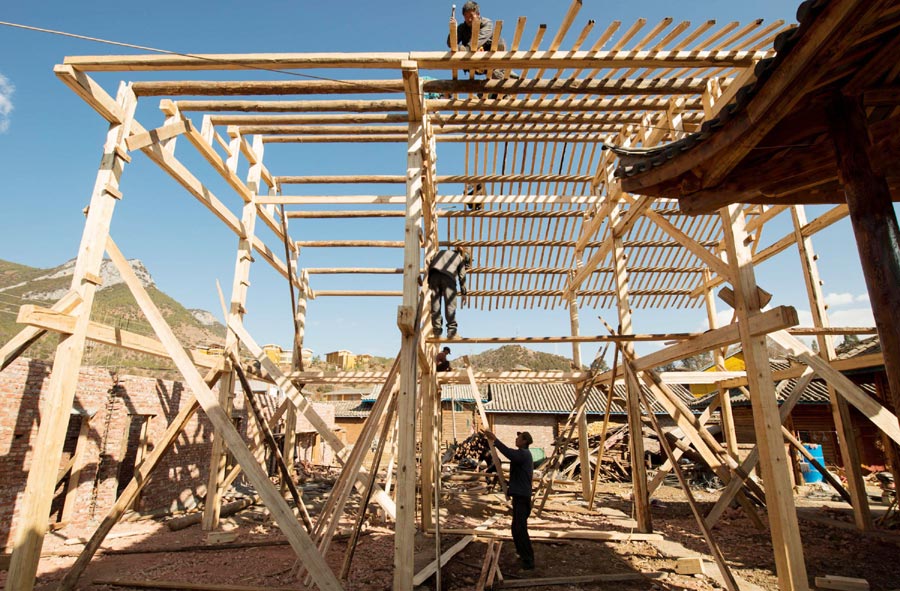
(547, 219)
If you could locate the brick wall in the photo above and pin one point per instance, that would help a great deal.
(541, 426)
(114, 406)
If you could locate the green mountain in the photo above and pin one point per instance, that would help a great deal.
(511, 357)
(113, 306)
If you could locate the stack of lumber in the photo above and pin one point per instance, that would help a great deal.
(615, 465)
(475, 448)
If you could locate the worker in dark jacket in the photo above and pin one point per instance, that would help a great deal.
(442, 361)
(485, 39)
(521, 471)
(445, 269)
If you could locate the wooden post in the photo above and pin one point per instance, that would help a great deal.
(633, 401)
(840, 411)
(404, 536)
(719, 357)
(875, 226)
(239, 287)
(430, 424)
(275, 503)
(290, 439)
(78, 465)
(785, 531)
(29, 535)
(584, 452)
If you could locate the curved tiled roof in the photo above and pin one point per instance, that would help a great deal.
(633, 161)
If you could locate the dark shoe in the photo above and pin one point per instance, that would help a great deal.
(527, 566)
(437, 332)
(451, 334)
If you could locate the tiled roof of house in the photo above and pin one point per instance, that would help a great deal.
(349, 409)
(559, 398)
(463, 393)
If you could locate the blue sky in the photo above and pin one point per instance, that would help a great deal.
(50, 146)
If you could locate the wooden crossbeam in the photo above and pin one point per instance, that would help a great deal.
(28, 335)
(49, 319)
(429, 60)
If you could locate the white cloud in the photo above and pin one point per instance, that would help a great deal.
(723, 317)
(852, 317)
(863, 297)
(839, 299)
(6, 105)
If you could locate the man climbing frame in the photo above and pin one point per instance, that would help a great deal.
(443, 272)
(521, 471)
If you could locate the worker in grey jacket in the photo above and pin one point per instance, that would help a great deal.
(445, 269)
(521, 472)
(485, 40)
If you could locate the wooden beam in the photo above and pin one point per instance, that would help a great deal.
(299, 539)
(498, 464)
(640, 495)
(785, 532)
(47, 319)
(17, 345)
(429, 60)
(839, 411)
(874, 225)
(752, 458)
(48, 445)
(134, 487)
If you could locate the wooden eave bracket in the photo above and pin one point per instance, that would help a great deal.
(406, 320)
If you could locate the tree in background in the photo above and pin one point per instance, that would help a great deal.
(697, 362)
(850, 342)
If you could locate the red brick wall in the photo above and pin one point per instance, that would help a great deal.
(178, 482)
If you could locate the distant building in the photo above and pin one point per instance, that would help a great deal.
(273, 352)
(363, 360)
(343, 359)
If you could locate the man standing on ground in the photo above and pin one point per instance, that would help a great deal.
(521, 471)
(443, 272)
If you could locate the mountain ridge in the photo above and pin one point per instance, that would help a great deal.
(114, 306)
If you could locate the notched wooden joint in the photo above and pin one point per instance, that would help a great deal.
(406, 320)
(112, 192)
(92, 278)
(122, 153)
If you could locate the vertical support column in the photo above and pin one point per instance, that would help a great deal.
(430, 446)
(786, 542)
(633, 398)
(290, 440)
(405, 529)
(840, 411)
(48, 446)
(584, 452)
(875, 226)
(239, 286)
(719, 357)
(78, 466)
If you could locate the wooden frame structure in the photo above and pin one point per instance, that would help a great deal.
(546, 219)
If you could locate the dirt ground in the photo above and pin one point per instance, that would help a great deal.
(831, 546)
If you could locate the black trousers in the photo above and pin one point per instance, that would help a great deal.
(521, 508)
